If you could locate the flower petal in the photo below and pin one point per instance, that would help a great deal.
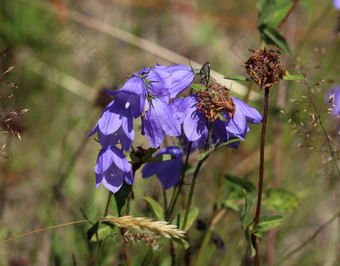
(195, 126)
(251, 114)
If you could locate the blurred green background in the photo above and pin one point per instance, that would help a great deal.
(66, 52)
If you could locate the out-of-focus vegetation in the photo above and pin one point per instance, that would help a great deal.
(63, 60)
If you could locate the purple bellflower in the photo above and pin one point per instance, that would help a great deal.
(334, 97)
(112, 169)
(196, 125)
(115, 124)
(168, 171)
(336, 4)
(147, 94)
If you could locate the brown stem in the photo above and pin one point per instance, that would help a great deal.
(125, 247)
(260, 186)
(289, 12)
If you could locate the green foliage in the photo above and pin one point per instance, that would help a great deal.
(198, 87)
(156, 208)
(193, 213)
(120, 197)
(238, 190)
(289, 76)
(214, 148)
(101, 230)
(266, 223)
(280, 200)
(237, 78)
(272, 12)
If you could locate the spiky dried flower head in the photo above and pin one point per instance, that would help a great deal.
(215, 100)
(146, 224)
(265, 68)
(149, 239)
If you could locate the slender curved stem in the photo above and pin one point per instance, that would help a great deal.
(177, 190)
(193, 182)
(255, 239)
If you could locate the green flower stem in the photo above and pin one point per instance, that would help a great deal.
(220, 182)
(108, 203)
(192, 187)
(101, 243)
(217, 215)
(177, 190)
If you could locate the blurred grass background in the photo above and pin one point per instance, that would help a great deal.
(61, 65)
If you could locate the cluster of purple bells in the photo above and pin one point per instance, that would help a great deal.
(151, 95)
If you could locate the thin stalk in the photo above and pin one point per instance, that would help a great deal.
(217, 215)
(308, 240)
(220, 182)
(101, 243)
(125, 247)
(193, 182)
(108, 203)
(180, 184)
(261, 169)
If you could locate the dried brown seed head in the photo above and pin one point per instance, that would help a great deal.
(215, 100)
(265, 68)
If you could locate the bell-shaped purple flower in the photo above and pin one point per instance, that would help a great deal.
(334, 97)
(168, 171)
(112, 169)
(145, 83)
(196, 125)
(181, 78)
(115, 125)
(336, 4)
(159, 120)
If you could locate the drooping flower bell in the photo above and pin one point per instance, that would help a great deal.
(112, 169)
(265, 68)
(228, 114)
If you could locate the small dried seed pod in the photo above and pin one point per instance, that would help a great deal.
(214, 101)
(265, 68)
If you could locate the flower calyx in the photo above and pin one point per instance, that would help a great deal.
(214, 101)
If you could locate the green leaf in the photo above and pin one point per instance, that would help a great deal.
(105, 229)
(280, 200)
(267, 222)
(120, 197)
(238, 190)
(249, 200)
(238, 78)
(198, 87)
(192, 215)
(156, 208)
(288, 76)
(272, 12)
(222, 118)
(182, 242)
(273, 36)
(242, 183)
(248, 237)
(200, 156)
(159, 158)
(282, 9)
(267, 9)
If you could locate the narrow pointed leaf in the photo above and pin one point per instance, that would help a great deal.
(156, 208)
(193, 213)
(267, 222)
(289, 76)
